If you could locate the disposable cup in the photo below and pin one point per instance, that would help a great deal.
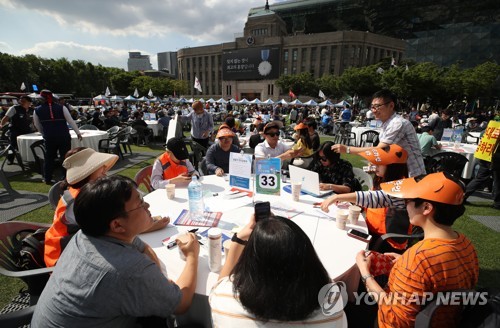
(170, 188)
(296, 186)
(341, 218)
(354, 214)
(182, 239)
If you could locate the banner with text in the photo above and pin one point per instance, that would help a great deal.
(251, 64)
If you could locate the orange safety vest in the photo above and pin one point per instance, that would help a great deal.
(61, 231)
(389, 220)
(171, 169)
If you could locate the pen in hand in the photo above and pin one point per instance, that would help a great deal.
(172, 244)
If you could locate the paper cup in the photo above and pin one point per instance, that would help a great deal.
(341, 218)
(170, 188)
(354, 214)
(296, 186)
(182, 239)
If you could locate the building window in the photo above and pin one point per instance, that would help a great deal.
(294, 54)
(259, 31)
(314, 51)
(285, 55)
(294, 70)
(285, 71)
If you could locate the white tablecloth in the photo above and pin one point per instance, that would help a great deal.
(90, 139)
(466, 150)
(156, 127)
(336, 250)
(360, 129)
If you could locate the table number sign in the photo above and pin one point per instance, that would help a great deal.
(268, 176)
(240, 170)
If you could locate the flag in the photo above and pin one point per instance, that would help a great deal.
(150, 93)
(393, 62)
(108, 93)
(291, 94)
(23, 87)
(197, 84)
(321, 94)
(136, 93)
(380, 70)
(407, 67)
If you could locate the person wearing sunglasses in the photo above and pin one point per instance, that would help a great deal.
(334, 173)
(217, 158)
(444, 260)
(273, 146)
(395, 130)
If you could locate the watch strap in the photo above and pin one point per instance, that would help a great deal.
(238, 240)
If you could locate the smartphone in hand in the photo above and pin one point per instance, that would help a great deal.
(262, 211)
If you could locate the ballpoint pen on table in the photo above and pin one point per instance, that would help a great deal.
(172, 244)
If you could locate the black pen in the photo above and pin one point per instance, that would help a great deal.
(172, 244)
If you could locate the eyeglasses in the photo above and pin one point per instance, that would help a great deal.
(273, 134)
(323, 159)
(142, 205)
(377, 106)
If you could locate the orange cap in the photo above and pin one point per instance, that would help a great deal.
(224, 131)
(434, 187)
(300, 126)
(378, 156)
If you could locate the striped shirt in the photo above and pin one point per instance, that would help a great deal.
(378, 199)
(432, 265)
(227, 311)
(397, 130)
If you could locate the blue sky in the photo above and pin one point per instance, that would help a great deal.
(104, 31)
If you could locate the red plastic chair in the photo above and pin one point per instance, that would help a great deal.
(143, 177)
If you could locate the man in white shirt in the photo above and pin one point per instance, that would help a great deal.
(272, 146)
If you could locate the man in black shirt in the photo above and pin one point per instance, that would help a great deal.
(20, 121)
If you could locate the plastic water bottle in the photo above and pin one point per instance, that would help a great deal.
(195, 193)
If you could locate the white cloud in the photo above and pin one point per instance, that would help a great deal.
(74, 51)
(5, 47)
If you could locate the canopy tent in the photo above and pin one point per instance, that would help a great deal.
(282, 101)
(296, 102)
(182, 100)
(326, 103)
(222, 101)
(268, 102)
(256, 101)
(201, 100)
(116, 99)
(211, 100)
(154, 99)
(99, 98)
(311, 103)
(232, 101)
(12, 97)
(343, 103)
(243, 101)
(143, 98)
(190, 100)
(129, 98)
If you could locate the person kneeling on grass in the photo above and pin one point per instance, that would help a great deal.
(444, 260)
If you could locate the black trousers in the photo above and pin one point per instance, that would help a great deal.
(483, 175)
(53, 146)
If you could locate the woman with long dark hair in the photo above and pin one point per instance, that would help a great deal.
(272, 276)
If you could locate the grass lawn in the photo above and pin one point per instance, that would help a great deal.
(486, 241)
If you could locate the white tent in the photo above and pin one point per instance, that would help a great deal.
(129, 98)
(256, 101)
(222, 101)
(268, 102)
(296, 102)
(343, 103)
(116, 98)
(201, 100)
(183, 100)
(191, 100)
(310, 103)
(143, 98)
(233, 101)
(211, 100)
(154, 99)
(326, 103)
(243, 101)
(282, 101)
(99, 98)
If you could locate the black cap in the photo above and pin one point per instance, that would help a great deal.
(178, 147)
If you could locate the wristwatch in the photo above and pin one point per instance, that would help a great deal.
(238, 240)
(348, 150)
(365, 278)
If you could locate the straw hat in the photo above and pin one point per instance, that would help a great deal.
(225, 131)
(434, 187)
(82, 164)
(378, 156)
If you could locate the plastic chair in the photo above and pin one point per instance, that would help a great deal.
(197, 152)
(364, 178)
(449, 162)
(143, 177)
(124, 138)
(55, 194)
(475, 140)
(111, 144)
(36, 278)
(39, 153)
(88, 127)
(369, 137)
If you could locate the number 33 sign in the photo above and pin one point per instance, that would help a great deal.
(268, 172)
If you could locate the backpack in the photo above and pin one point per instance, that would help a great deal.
(28, 249)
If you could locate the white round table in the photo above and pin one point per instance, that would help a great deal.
(90, 139)
(156, 127)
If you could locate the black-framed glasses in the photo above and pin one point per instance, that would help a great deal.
(377, 106)
(273, 134)
(323, 158)
(142, 205)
